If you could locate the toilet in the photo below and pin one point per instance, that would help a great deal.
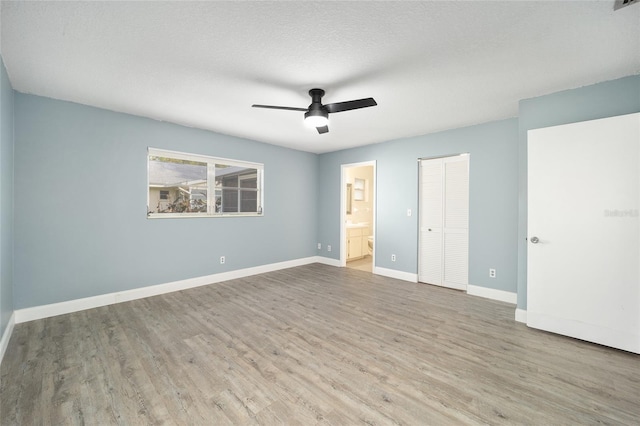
(370, 244)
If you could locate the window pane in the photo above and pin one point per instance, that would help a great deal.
(229, 200)
(218, 201)
(249, 201)
(177, 186)
(230, 181)
(226, 176)
(250, 180)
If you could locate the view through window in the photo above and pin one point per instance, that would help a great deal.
(191, 185)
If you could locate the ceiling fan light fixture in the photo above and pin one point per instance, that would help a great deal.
(316, 118)
(317, 114)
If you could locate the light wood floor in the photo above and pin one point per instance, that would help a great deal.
(310, 345)
(364, 264)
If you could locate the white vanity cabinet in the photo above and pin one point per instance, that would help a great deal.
(357, 242)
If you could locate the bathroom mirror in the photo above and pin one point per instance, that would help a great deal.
(349, 198)
(358, 189)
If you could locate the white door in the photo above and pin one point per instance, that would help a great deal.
(444, 221)
(583, 257)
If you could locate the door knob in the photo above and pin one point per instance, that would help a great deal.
(535, 240)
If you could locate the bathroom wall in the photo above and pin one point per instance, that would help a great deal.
(361, 210)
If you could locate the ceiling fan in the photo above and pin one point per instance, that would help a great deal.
(317, 115)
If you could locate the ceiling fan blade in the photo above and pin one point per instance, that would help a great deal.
(349, 105)
(323, 129)
(279, 107)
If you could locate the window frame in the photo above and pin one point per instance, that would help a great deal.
(211, 163)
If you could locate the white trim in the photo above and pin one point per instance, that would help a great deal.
(491, 293)
(328, 261)
(180, 155)
(393, 273)
(521, 315)
(45, 311)
(6, 336)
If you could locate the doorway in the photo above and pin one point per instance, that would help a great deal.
(358, 215)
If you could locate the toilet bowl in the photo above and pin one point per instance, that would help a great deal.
(370, 243)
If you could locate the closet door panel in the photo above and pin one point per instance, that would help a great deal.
(456, 260)
(431, 257)
(430, 268)
(456, 193)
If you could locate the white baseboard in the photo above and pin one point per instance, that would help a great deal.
(6, 336)
(328, 261)
(45, 311)
(393, 273)
(521, 315)
(490, 293)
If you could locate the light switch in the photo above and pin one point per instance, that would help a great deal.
(408, 212)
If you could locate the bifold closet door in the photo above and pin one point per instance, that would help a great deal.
(444, 222)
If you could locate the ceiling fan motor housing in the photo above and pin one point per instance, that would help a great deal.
(316, 109)
(316, 95)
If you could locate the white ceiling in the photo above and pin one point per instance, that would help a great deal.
(430, 65)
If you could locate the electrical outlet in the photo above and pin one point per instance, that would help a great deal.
(328, 248)
(319, 246)
(492, 273)
(222, 260)
(393, 257)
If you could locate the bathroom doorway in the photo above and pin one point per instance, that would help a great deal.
(358, 215)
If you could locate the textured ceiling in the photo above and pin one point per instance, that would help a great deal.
(430, 65)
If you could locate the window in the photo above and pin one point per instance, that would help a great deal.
(191, 185)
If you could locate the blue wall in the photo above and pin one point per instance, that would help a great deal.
(80, 201)
(80, 227)
(601, 100)
(493, 197)
(6, 199)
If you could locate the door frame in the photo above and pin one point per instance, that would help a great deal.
(343, 209)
